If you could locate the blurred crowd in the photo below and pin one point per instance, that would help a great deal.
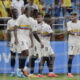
(53, 7)
(56, 8)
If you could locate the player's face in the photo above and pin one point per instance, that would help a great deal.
(73, 17)
(39, 18)
(31, 1)
(28, 13)
(15, 13)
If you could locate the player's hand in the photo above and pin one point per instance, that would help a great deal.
(31, 46)
(8, 44)
(16, 42)
(42, 46)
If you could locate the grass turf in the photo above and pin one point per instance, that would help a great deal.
(61, 77)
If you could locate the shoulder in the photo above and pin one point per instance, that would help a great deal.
(46, 25)
(69, 22)
(78, 21)
(31, 19)
(9, 21)
(21, 16)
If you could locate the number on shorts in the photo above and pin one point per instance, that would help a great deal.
(71, 47)
(46, 48)
(22, 43)
(35, 48)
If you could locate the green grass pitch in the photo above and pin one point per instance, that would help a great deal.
(61, 77)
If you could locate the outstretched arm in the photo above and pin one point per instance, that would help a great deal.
(15, 35)
(37, 38)
(8, 36)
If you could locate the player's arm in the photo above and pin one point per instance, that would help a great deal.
(69, 29)
(8, 33)
(15, 35)
(8, 37)
(31, 38)
(37, 38)
(50, 31)
(17, 24)
(71, 32)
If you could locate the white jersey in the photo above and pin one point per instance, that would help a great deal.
(44, 31)
(36, 49)
(75, 27)
(74, 41)
(25, 27)
(10, 27)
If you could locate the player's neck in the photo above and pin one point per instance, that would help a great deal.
(26, 15)
(14, 18)
(40, 22)
(75, 21)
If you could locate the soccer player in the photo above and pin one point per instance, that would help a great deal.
(73, 27)
(34, 52)
(46, 52)
(23, 37)
(10, 31)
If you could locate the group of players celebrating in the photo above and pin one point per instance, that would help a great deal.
(30, 37)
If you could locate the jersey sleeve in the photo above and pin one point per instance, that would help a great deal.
(68, 27)
(33, 25)
(49, 30)
(8, 26)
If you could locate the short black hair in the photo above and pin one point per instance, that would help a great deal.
(28, 8)
(13, 10)
(35, 11)
(47, 16)
(73, 13)
(39, 13)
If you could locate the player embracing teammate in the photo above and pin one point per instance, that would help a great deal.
(32, 38)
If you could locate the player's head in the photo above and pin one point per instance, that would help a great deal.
(27, 11)
(47, 18)
(31, 2)
(34, 13)
(73, 16)
(14, 13)
(39, 17)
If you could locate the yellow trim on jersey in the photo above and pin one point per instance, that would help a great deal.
(76, 30)
(11, 27)
(25, 26)
(44, 33)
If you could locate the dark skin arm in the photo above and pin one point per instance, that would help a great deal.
(71, 32)
(30, 35)
(37, 38)
(8, 36)
(15, 35)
